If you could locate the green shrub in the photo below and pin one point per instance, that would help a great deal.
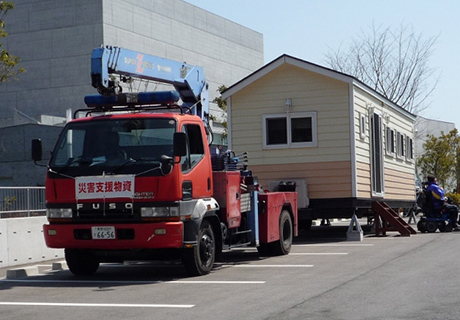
(455, 198)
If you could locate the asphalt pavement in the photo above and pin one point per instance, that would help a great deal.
(324, 277)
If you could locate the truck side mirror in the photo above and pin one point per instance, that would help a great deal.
(37, 150)
(180, 144)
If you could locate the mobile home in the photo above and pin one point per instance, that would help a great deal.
(344, 144)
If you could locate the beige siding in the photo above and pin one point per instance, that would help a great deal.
(309, 92)
(325, 180)
(393, 165)
(390, 118)
(399, 185)
(363, 172)
(362, 143)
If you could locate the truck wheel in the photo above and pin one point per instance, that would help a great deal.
(81, 262)
(200, 259)
(283, 245)
(264, 250)
(307, 224)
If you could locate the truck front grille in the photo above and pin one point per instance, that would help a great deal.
(104, 216)
(106, 212)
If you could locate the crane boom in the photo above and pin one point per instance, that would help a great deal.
(188, 80)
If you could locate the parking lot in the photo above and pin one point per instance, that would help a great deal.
(324, 277)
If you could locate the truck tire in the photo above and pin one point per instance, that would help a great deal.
(306, 224)
(199, 260)
(81, 262)
(283, 245)
(264, 250)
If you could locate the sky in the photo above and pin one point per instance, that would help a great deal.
(310, 29)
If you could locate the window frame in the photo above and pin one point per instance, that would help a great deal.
(400, 145)
(288, 117)
(191, 159)
(362, 125)
(390, 145)
(410, 149)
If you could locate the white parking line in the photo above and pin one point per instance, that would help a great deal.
(318, 254)
(273, 266)
(96, 305)
(133, 282)
(336, 245)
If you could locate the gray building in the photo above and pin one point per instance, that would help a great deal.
(54, 40)
(424, 127)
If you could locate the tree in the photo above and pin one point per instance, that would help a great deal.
(441, 157)
(222, 104)
(9, 64)
(392, 62)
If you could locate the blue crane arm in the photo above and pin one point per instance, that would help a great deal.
(188, 80)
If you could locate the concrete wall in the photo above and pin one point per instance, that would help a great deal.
(22, 242)
(177, 30)
(16, 165)
(55, 38)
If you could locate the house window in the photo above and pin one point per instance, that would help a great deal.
(301, 130)
(362, 126)
(400, 139)
(290, 130)
(377, 167)
(276, 131)
(410, 149)
(390, 141)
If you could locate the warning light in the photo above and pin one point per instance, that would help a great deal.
(131, 99)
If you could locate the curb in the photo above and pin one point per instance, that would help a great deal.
(25, 272)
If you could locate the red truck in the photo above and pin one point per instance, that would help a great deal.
(134, 179)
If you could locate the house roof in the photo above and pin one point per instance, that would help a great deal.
(283, 59)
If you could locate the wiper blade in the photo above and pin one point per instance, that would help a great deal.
(60, 173)
(80, 160)
(124, 164)
(147, 159)
(147, 171)
(70, 162)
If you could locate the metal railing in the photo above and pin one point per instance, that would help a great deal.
(22, 202)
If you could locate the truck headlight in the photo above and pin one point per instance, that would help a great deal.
(59, 213)
(159, 212)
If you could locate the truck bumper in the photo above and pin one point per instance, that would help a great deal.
(127, 236)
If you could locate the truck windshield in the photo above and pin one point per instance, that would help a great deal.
(114, 143)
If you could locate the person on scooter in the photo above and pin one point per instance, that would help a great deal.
(440, 201)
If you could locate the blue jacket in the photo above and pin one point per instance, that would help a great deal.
(437, 194)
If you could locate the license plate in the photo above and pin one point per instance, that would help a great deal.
(103, 232)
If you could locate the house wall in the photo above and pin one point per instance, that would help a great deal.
(399, 172)
(326, 167)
